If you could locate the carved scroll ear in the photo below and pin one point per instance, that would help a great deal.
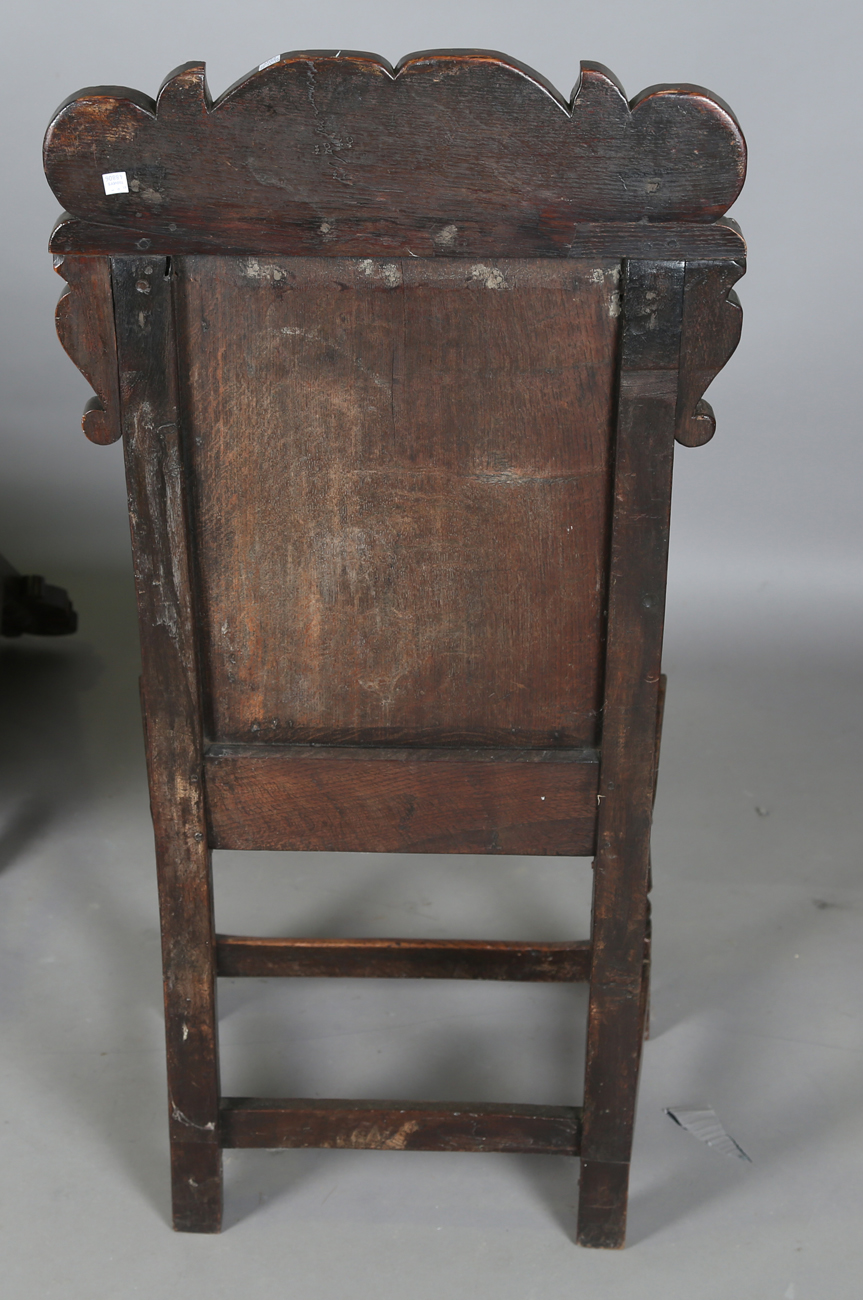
(712, 321)
(85, 327)
(183, 94)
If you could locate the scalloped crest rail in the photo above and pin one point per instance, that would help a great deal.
(449, 151)
(398, 357)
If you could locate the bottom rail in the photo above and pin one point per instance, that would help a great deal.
(463, 959)
(399, 1126)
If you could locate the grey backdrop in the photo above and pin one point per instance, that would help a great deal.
(774, 497)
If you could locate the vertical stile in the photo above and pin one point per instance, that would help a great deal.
(170, 694)
(647, 397)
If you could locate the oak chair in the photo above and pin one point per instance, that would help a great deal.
(398, 357)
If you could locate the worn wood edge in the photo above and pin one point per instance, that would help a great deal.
(720, 240)
(660, 716)
(712, 324)
(399, 1125)
(477, 959)
(86, 306)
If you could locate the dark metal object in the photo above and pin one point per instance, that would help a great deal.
(30, 604)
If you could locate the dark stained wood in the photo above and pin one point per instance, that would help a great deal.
(451, 959)
(399, 1126)
(170, 692)
(603, 1188)
(345, 151)
(649, 360)
(85, 327)
(373, 426)
(196, 1182)
(712, 321)
(597, 241)
(399, 480)
(401, 800)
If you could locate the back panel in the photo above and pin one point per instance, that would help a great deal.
(401, 495)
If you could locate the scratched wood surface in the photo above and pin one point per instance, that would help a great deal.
(401, 487)
(399, 1126)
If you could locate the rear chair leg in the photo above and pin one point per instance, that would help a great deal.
(603, 1192)
(191, 1032)
(617, 1027)
(196, 1186)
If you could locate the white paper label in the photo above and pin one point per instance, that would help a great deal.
(277, 58)
(115, 182)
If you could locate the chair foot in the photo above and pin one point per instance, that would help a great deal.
(602, 1198)
(196, 1181)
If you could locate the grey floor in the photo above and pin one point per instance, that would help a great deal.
(756, 1002)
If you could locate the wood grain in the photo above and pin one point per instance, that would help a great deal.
(451, 959)
(399, 1126)
(452, 144)
(401, 497)
(590, 240)
(403, 800)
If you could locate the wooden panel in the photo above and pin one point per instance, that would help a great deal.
(399, 1126)
(402, 496)
(401, 800)
(341, 154)
(451, 959)
(170, 695)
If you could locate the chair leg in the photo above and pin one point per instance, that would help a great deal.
(603, 1192)
(617, 1022)
(189, 960)
(196, 1186)
(604, 1183)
